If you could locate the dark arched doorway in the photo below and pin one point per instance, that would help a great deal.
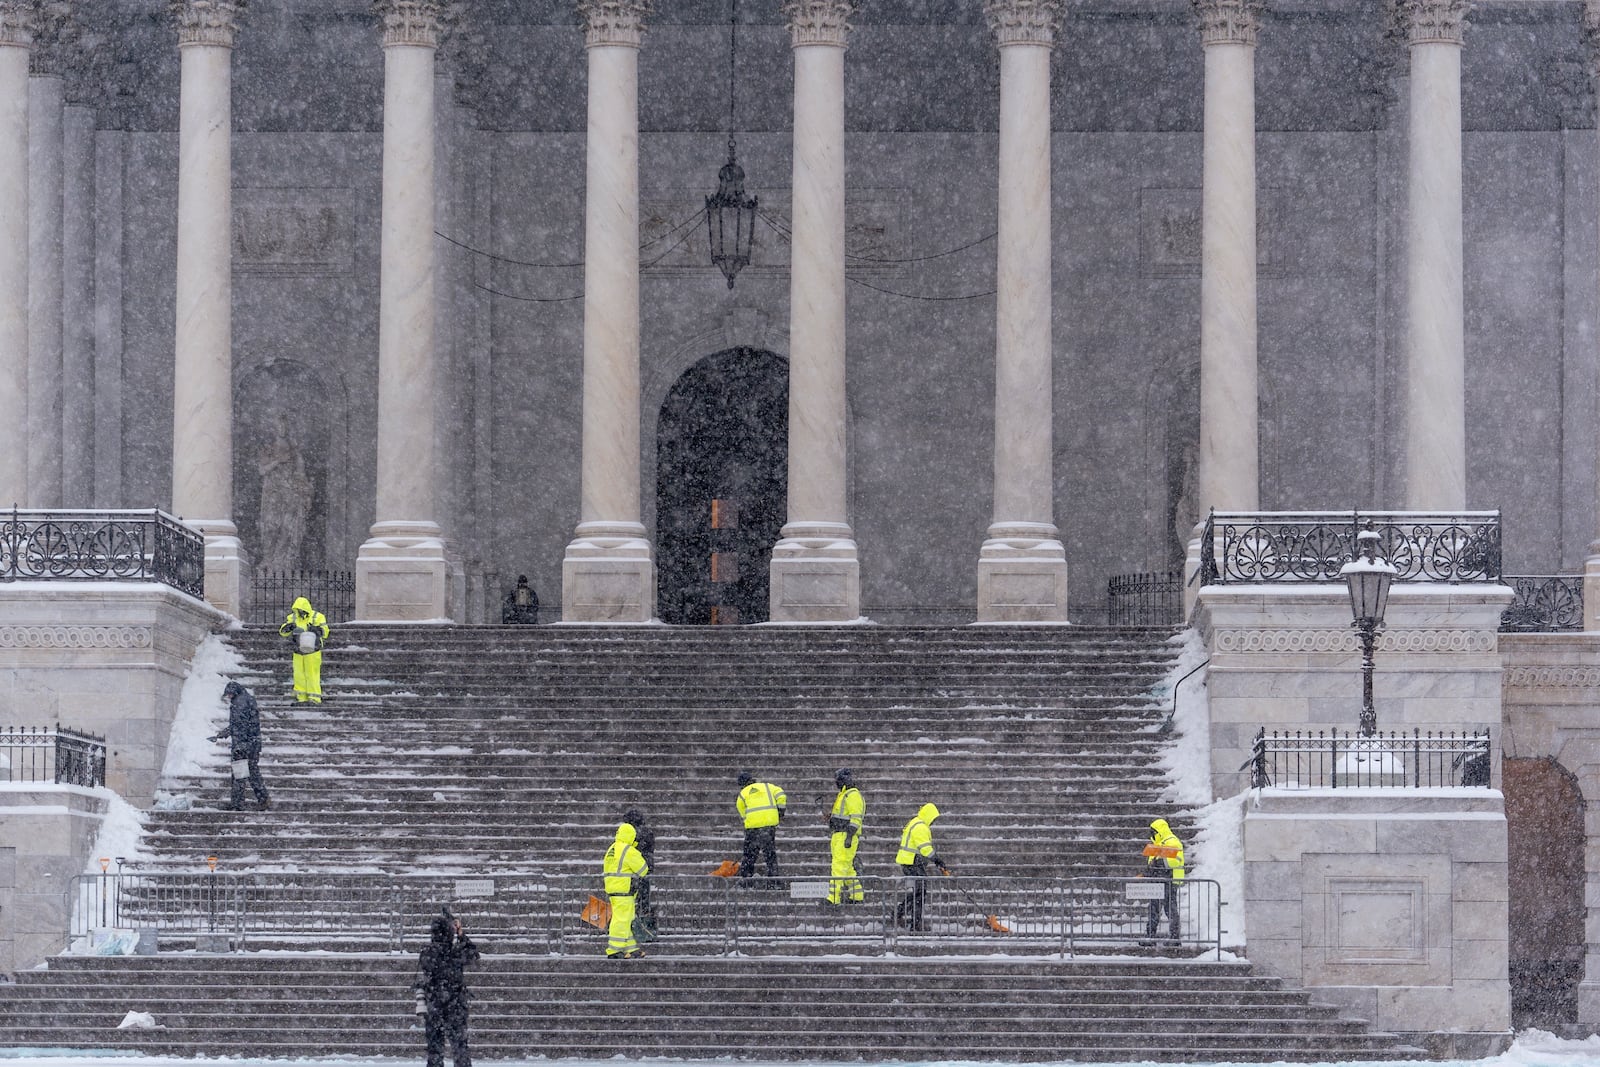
(722, 477)
(1544, 827)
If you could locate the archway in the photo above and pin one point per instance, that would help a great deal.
(722, 477)
(1545, 828)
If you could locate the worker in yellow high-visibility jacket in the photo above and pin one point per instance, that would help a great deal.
(761, 806)
(915, 856)
(307, 632)
(1164, 859)
(844, 838)
(624, 868)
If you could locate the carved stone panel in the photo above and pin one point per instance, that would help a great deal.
(1170, 233)
(293, 231)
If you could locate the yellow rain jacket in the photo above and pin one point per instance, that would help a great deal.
(1161, 835)
(623, 863)
(917, 838)
(302, 616)
(761, 804)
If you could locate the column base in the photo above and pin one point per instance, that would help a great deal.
(1591, 589)
(1022, 574)
(608, 574)
(227, 566)
(404, 574)
(815, 574)
(1589, 1005)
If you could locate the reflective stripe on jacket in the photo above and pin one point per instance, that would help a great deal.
(760, 803)
(1161, 834)
(848, 808)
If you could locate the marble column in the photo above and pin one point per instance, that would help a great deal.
(1022, 566)
(403, 569)
(78, 303)
(46, 100)
(16, 38)
(608, 573)
(1229, 474)
(1436, 436)
(815, 573)
(1591, 565)
(202, 393)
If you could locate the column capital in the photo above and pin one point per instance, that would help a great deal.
(1024, 21)
(54, 30)
(819, 21)
(409, 22)
(17, 22)
(1229, 21)
(1433, 21)
(206, 22)
(613, 22)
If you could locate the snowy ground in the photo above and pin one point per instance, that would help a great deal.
(1533, 1048)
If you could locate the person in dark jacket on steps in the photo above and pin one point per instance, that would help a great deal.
(645, 842)
(441, 989)
(244, 744)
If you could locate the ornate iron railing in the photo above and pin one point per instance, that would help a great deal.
(1145, 599)
(51, 754)
(1336, 759)
(331, 592)
(1545, 603)
(702, 915)
(1311, 546)
(129, 546)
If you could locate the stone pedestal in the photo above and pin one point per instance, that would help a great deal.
(815, 574)
(1390, 903)
(608, 575)
(227, 566)
(108, 658)
(46, 835)
(1285, 657)
(404, 574)
(1022, 574)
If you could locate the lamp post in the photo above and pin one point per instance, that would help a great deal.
(1369, 577)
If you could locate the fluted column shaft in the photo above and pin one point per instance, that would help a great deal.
(815, 575)
(1436, 437)
(1022, 568)
(46, 100)
(403, 569)
(202, 392)
(608, 573)
(15, 40)
(1228, 474)
(78, 308)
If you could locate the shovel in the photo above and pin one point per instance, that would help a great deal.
(989, 920)
(726, 869)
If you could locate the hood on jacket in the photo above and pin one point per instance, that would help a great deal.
(1159, 829)
(927, 813)
(301, 605)
(441, 932)
(626, 834)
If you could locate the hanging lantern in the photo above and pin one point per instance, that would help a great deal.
(730, 219)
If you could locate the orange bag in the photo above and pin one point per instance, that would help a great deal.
(726, 869)
(597, 913)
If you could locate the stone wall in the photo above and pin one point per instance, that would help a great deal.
(46, 834)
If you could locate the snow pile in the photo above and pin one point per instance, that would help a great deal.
(120, 835)
(201, 710)
(1187, 760)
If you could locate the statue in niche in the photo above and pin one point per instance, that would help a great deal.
(285, 500)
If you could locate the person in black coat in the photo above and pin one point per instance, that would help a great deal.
(441, 989)
(645, 842)
(244, 743)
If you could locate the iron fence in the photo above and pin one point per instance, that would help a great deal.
(1545, 603)
(129, 546)
(1312, 546)
(331, 592)
(1145, 599)
(1334, 760)
(697, 914)
(52, 754)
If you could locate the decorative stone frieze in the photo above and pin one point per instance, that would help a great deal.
(207, 22)
(409, 22)
(613, 22)
(1433, 21)
(1345, 641)
(17, 20)
(75, 637)
(1229, 21)
(1024, 21)
(819, 21)
(1553, 677)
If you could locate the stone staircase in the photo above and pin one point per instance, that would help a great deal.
(454, 755)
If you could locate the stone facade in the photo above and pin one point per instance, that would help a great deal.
(46, 835)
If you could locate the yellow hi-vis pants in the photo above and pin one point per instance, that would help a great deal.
(619, 936)
(844, 885)
(308, 677)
